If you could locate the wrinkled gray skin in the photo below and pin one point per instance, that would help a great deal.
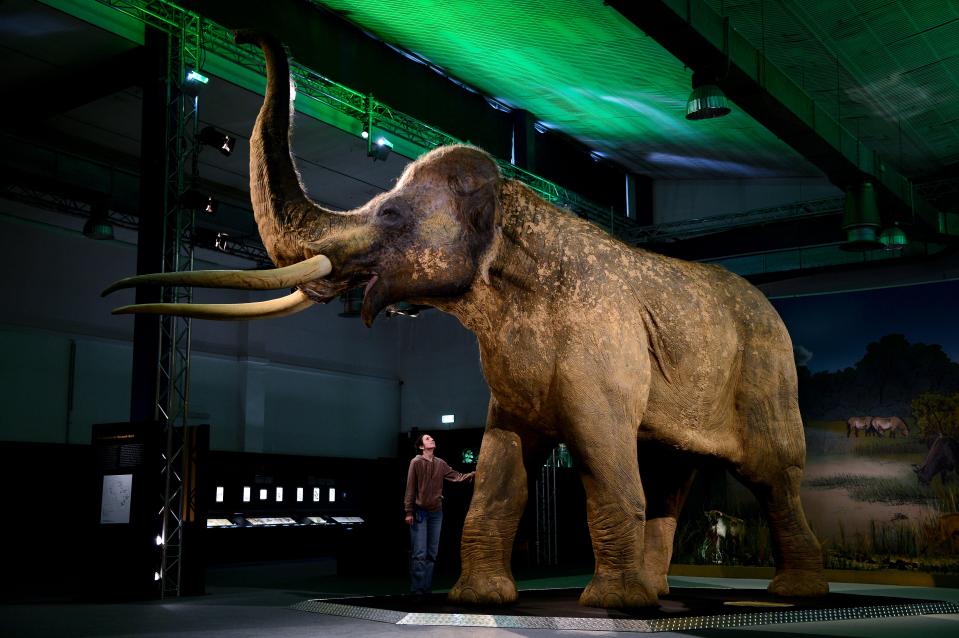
(583, 340)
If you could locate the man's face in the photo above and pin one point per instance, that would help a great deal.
(428, 442)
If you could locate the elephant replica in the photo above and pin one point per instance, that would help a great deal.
(643, 365)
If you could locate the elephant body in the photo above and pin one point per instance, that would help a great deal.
(602, 346)
(643, 365)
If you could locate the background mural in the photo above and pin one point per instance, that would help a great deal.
(879, 394)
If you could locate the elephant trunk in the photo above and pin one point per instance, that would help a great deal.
(286, 217)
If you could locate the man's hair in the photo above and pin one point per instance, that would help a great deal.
(419, 442)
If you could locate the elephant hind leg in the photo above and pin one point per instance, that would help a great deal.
(799, 568)
(668, 477)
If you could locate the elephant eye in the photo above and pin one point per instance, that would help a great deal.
(392, 214)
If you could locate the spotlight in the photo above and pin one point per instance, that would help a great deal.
(194, 82)
(380, 149)
(195, 200)
(366, 132)
(220, 243)
(706, 101)
(894, 238)
(98, 225)
(217, 139)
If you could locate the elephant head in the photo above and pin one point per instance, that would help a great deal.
(423, 241)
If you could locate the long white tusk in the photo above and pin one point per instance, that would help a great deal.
(281, 307)
(273, 279)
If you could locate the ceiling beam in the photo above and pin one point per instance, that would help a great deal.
(702, 40)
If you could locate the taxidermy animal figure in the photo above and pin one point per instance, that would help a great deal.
(724, 536)
(583, 339)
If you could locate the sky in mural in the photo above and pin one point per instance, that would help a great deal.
(830, 332)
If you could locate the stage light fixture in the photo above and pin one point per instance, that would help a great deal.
(98, 225)
(194, 82)
(217, 139)
(156, 576)
(220, 243)
(894, 238)
(706, 101)
(200, 202)
(365, 134)
(380, 149)
(159, 540)
(448, 418)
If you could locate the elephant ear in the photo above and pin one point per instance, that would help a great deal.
(476, 207)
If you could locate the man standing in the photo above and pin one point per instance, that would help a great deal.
(424, 510)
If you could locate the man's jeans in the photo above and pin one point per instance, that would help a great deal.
(425, 541)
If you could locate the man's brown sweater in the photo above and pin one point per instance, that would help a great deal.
(424, 483)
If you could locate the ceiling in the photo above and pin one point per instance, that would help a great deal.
(889, 71)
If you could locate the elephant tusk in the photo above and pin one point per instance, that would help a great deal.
(273, 279)
(281, 307)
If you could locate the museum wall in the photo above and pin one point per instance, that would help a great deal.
(440, 368)
(683, 199)
(292, 385)
(881, 496)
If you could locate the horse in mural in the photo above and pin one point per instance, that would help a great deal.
(943, 457)
(859, 424)
(891, 425)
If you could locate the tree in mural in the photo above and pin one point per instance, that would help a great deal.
(889, 376)
(936, 415)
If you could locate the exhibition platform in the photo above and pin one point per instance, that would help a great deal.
(269, 600)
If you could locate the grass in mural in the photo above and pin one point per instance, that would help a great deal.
(828, 438)
(908, 545)
(874, 489)
(889, 448)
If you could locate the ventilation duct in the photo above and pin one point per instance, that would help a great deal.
(860, 219)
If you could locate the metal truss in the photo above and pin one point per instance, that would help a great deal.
(216, 39)
(173, 382)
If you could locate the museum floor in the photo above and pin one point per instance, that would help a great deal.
(255, 600)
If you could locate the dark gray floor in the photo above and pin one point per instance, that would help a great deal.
(254, 600)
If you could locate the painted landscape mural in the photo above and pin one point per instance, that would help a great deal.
(879, 394)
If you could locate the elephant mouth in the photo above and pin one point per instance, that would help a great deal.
(376, 296)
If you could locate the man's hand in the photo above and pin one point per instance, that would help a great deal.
(409, 519)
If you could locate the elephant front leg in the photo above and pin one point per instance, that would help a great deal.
(616, 509)
(499, 498)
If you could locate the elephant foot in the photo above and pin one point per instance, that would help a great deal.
(474, 589)
(622, 591)
(660, 585)
(799, 582)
